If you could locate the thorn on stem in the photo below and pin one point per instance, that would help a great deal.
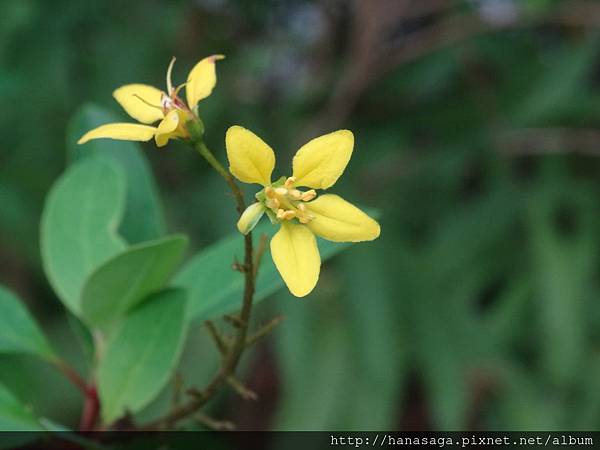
(242, 390)
(237, 266)
(264, 330)
(217, 338)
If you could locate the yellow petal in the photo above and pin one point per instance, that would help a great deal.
(250, 217)
(140, 101)
(120, 131)
(319, 163)
(296, 256)
(337, 220)
(166, 128)
(251, 160)
(201, 80)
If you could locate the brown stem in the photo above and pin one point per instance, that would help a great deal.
(231, 359)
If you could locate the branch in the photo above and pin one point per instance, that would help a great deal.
(232, 358)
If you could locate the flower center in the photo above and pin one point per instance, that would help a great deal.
(288, 203)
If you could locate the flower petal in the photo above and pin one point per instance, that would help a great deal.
(120, 131)
(337, 220)
(250, 217)
(296, 256)
(166, 128)
(201, 80)
(319, 163)
(140, 101)
(251, 160)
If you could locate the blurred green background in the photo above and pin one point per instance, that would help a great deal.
(475, 126)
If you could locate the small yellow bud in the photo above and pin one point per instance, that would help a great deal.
(250, 217)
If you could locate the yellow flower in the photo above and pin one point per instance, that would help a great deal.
(148, 105)
(301, 214)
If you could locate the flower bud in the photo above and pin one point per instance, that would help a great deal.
(250, 217)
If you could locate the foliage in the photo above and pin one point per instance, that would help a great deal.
(476, 309)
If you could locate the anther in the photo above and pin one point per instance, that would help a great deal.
(269, 192)
(289, 183)
(308, 195)
(281, 191)
(272, 203)
(285, 215)
(295, 194)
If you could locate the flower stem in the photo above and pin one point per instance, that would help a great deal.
(201, 148)
(235, 350)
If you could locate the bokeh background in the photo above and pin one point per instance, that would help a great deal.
(476, 139)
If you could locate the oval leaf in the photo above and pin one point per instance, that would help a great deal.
(143, 218)
(126, 279)
(18, 331)
(79, 223)
(141, 356)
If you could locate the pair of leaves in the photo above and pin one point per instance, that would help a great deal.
(88, 263)
(106, 280)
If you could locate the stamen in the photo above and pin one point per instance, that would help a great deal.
(272, 203)
(285, 215)
(308, 195)
(169, 83)
(295, 194)
(180, 87)
(281, 191)
(147, 103)
(289, 183)
(303, 215)
(270, 192)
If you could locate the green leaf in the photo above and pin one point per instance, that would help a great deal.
(79, 226)
(126, 279)
(216, 289)
(141, 356)
(14, 416)
(18, 331)
(143, 219)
